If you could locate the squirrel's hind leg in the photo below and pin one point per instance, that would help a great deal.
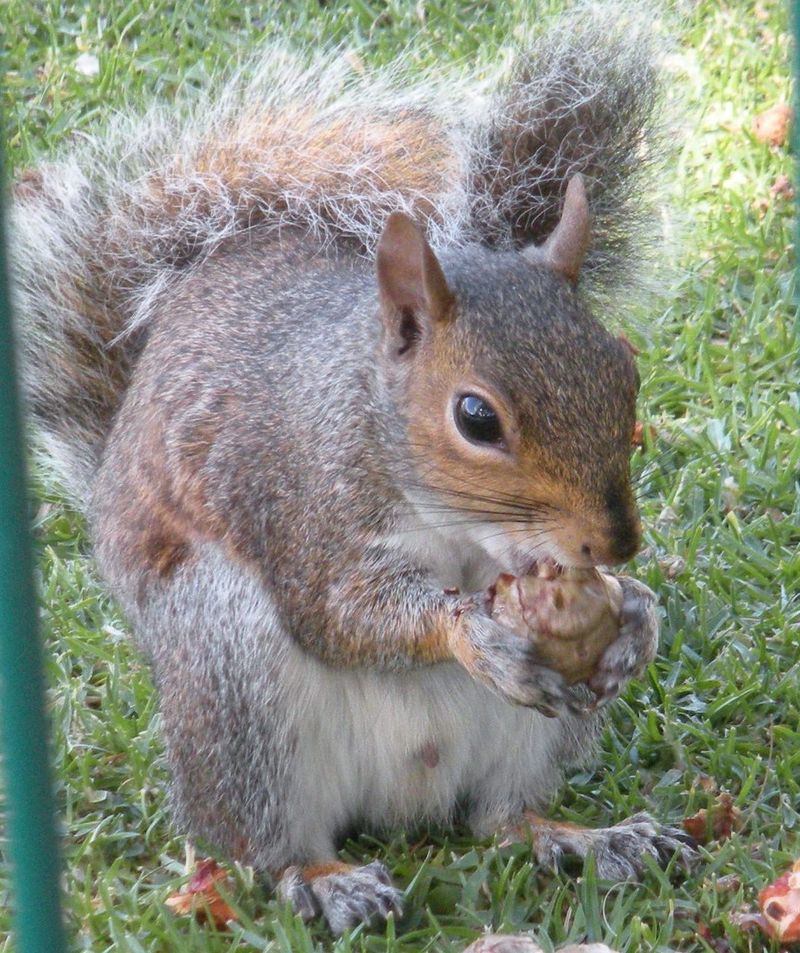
(343, 894)
(619, 850)
(237, 714)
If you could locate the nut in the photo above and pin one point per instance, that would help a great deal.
(572, 615)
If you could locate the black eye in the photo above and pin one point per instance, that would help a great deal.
(477, 421)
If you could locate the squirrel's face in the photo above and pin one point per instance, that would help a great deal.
(528, 431)
(518, 407)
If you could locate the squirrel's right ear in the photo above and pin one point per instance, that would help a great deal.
(565, 249)
(411, 283)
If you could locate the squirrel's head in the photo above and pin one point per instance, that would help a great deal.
(517, 406)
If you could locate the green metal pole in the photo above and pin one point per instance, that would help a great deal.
(33, 850)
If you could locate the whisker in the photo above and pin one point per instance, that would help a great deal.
(512, 532)
(499, 500)
(521, 527)
(496, 513)
(511, 500)
(511, 503)
(533, 554)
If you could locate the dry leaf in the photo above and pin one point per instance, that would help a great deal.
(717, 823)
(747, 920)
(501, 943)
(720, 944)
(498, 943)
(782, 188)
(355, 62)
(772, 126)
(761, 206)
(668, 515)
(201, 897)
(586, 948)
(728, 883)
(731, 494)
(637, 438)
(780, 906)
(672, 566)
(706, 782)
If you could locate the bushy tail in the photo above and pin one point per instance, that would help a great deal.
(585, 98)
(97, 236)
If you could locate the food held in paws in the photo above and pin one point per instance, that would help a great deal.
(572, 615)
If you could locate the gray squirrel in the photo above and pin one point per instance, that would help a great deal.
(314, 357)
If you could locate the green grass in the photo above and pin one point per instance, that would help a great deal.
(718, 490)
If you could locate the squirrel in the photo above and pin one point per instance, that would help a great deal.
(318, 359)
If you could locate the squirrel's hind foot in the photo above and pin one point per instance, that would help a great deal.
(619, 850)
(344, 895)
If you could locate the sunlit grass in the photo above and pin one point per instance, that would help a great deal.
(718, 488)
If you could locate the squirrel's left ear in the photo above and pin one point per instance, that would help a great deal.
(411, 283)
(565, 249)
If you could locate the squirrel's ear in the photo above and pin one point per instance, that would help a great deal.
(411, 283)
(566, 247)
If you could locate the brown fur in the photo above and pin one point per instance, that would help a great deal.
(546, 475)
(409, 154)
(104, 231)
(323, 870)
(257, 424)
(620, 851)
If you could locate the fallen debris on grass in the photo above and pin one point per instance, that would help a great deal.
(201, 898)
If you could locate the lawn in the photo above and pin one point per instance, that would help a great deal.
(719, 708)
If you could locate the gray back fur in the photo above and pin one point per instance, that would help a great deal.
(99, 234)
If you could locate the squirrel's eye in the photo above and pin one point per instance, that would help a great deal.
(477, 421)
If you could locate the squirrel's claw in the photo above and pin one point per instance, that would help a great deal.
(634, 648)
(345, 897)
(619, 851)
(295, 889)
(511, 666)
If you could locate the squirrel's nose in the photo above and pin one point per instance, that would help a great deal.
(624, 528)
(617, 543)
(604, 536)
(625, 539)
(626, 547)
(618, 549)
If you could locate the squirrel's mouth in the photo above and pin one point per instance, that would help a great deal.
(549, 568)
(544, 567)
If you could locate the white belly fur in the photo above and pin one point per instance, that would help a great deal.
(369, 749)
(364, 739)
(363, 734)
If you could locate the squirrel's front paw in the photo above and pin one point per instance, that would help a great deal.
(344, 895)
(511, 666)
(634, 648)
